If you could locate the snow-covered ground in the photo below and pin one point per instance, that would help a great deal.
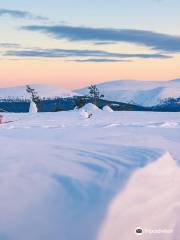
(145, 93)
(64, 177)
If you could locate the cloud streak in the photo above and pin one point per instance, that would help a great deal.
(153, 40)
(64, 53)
(99, 60)
(20, 14)
(10, 45)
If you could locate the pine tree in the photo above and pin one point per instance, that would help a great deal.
(95, 94)
(81, 102)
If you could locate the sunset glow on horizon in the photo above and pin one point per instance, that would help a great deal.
(73, 45)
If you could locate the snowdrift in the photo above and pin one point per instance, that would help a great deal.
(150, 201)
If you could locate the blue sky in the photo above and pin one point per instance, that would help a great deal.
(159, 15)
(53, 30)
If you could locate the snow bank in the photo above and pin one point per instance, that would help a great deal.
(107, 109)
(150, 201)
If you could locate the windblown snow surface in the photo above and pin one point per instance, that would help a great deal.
(67, 178)
(145, 93)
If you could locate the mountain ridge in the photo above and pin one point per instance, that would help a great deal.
(144, 93)
(43, 90)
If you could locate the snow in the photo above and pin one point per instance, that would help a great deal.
(83, 114)
(146, 93)
(154, 204)
(107, 109)
(33, 107)
(89, 107)
(66, 177)
(43, 90)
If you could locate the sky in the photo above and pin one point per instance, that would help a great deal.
(77, 43)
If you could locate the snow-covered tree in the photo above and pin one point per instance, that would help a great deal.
(95, 94)
(33, 107)
(34, 99)
(34, 95)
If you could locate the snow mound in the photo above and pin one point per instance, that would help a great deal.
(44, 91)
(90, 108)
(145, 93)
(84, 114)
(107, 109)
(152, 191)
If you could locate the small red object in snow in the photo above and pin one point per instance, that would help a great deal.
(1, 119)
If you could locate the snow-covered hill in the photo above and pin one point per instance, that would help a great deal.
(44, 91)
(146, 93)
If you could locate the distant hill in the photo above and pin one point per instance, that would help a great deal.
(144, 93)
(44, 91)
(126, 95)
